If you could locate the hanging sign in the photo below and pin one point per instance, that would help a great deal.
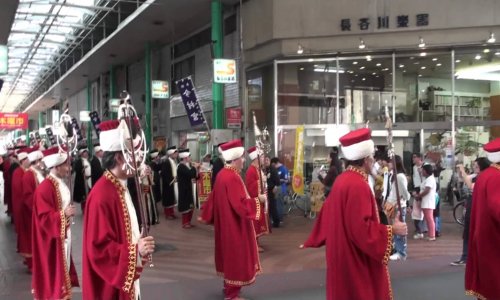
(233, 117)
(160, 89)
(204, 186)
(188, 94)
(225, 70)
(13, 120)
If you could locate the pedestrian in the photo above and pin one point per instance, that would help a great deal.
(114, 251)
(231, 210)
(273, 184)
(482, 269)
(83, 174)
(54, 272)
(217, 165)
(17, 192)
(400, 245)
(358, 246)
(96, 170)
(331, 175)
(256, 184)
(480, 165)
(427, 196)
(284, 180)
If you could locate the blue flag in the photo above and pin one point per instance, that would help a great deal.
(188, 94)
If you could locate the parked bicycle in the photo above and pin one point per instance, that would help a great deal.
(293, 201)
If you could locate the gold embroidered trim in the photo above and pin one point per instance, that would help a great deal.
(128, 285)
(236, 282)
(475, 294)
(257, 202)
(388, 249)
(232, 169)
(67, 281)
(358, 171)
(391, 297)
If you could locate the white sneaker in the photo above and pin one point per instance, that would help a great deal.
(418, 236)
(397, 256)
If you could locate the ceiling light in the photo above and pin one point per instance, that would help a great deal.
(362, 68)
(422, 67)
(401, 66)
(374, 73)
(378, 65)
(457, 61)
(423, 54)
(438, 65)
(368, 58)
(419, 75)
(477, 57)
(497, 53)
(434, 59)
(300, 49)
(361, 44)
(363, 79)
(354, 62)
(492, 39)
(302, 68)
(486, 51)
(421, 43)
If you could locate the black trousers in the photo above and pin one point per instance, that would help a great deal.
(273, 210)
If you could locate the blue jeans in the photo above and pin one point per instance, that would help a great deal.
(400, 245)
(437, 221)
(279, 204)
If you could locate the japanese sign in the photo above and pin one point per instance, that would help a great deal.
(225, 70)
(13, 120)
(75, 125)
(94, 118)
(204, 186)
(4, 59)
(384, 22)
(188, 94)
(233, 117)
(160, 89)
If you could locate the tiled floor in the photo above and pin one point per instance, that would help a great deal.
(184, 269)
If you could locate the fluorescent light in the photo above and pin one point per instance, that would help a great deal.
(354, 62)
(477, 57)
(395, 133)
(322, 70)
(423, 54)
(434, 59)
(486, 51)
(483, 72)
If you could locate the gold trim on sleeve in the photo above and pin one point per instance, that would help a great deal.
(475, 294)
(388, 249)
(257, 214)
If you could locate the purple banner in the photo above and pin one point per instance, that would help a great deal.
(188, 94)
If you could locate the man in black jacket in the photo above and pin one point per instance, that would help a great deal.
(96, 170)
(273, 184)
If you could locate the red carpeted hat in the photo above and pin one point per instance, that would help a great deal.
(492, 150)
(232, 150)
(253, 152)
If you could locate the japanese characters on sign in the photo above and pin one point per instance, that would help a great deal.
(188, 94)
(160, 89)
(13, 120)
(384, 22)
(225, 70)
(204, 186)
(233, 117)
(94, 118)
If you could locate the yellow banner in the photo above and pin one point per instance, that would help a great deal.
(298, 165)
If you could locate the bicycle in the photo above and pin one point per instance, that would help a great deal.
(459, 212)
(292, 201)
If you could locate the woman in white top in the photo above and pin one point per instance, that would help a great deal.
(399, 241)
(428, 197)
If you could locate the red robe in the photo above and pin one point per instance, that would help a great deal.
(231, 210)
(7, 185)
(30, 182)
(357, 245)
(109, 259)
(17, 192)
(50, 279)
(482, 271)
(252, 182)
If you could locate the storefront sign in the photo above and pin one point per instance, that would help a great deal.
(298, 165)
(160, 89)
(185, 87)
(233, 118)
(13, 121)
(225, 70)
(204, 186)
(4, 59)
(384, 22)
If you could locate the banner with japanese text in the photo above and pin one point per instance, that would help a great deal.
(13, 120)
(298, 165)
(186, 88)
(204, 186)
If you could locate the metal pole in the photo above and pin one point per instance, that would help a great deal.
(89, 107)
(218, 46)
(112, 89)
(337, 92)
(393, 96)
(453, 129)
(147, 61)
(275, 74)
(41, 120)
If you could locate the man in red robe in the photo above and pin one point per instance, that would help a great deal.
(31, 179)
(113, 249)
(254, 181)
(5, 166)
(357, 245)
(17, 191)
(232, 211)
(482, 271)
(54, 273)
